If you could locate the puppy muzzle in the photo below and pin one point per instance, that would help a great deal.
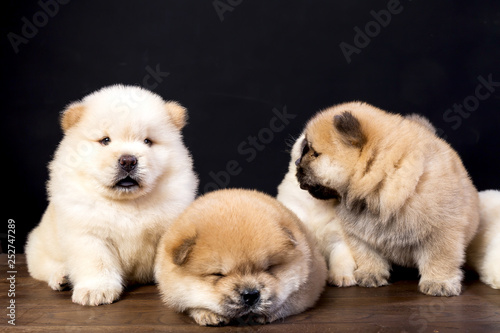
(246, 302)
(126, 178)
(316, 190)
(250, 297)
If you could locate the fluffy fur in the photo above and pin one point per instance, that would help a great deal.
(320, 218)
(238, 253)
(120, 175)
(405, 196)
(483, 253)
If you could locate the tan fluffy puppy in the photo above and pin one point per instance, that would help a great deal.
(405, 196)
(236, 253)
(320, 218)
(483, 253)
(120, 175)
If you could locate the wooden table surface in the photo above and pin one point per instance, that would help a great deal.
(398, 307)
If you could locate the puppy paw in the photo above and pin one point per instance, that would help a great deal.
(341, 267)
(490, 273)
(58, 281)
(371, 279)
(207, 318)
(97, 295)
(341, 273)
(492, 281)
(452, 287)
(341, 280)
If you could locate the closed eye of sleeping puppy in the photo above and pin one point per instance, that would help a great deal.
(238, 253)
(119, 176)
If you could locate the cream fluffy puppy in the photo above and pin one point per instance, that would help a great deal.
(483, 253)
(320, 218)
(120, 175)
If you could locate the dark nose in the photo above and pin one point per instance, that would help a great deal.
(250, 296)
(127, 162)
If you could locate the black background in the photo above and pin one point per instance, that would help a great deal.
(232, 66)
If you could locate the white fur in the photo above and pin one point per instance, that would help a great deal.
(93, 236)
(320, 218)
(484, 251)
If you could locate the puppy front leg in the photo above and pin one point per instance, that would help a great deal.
(489, 270)
(341, 265)
(205, 317)
(43, 257)
(95, 272)
(372, 269)
(439, 267)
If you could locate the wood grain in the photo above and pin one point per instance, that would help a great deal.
(398, 307)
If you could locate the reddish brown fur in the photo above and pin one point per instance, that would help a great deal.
(406, 197)
(229, 241)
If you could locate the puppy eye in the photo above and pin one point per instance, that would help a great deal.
(271, 268)
(148, 142)
(105, 141)
(217, 275)
(314, 153)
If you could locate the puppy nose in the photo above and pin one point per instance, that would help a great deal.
(250, 296)
(127, 162)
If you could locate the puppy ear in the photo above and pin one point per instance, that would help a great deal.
(304, 148)
(290, 235)
(71, 115)
(350, 128)
(178, 113)
(421, 121)
(181, 252)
